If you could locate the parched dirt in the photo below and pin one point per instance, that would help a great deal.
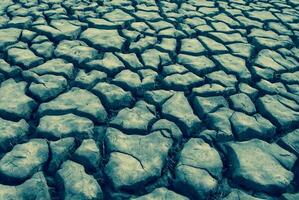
(149, 99)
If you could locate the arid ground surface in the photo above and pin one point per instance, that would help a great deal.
(149, 99)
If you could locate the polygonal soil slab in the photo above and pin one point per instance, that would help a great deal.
(24, 160)
(61, 126)
(77, 101)
(103, 39)
(178, 109)
(12, 133)
(198, 170)
(134, 159)
(76, 183)
(260, 166)
(14, 103)
(135, 120)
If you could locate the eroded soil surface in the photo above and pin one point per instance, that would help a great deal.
(149, 99)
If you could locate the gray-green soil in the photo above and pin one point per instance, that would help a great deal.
(149, 99)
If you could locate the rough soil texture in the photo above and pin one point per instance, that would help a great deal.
(149, 99)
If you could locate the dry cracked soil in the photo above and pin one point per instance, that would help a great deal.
(149, 99)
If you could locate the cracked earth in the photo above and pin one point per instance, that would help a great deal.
(149, 99)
